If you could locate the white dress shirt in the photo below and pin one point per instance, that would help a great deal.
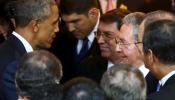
(90, 37)
(144, 70)
(165, 78)
(110, 64)
(25, 43)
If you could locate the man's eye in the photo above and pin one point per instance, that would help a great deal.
(106, 34)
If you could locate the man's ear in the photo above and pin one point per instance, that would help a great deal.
(94, 12)
(149, 58)
(35, 25)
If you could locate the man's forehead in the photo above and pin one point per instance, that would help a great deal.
(125, 32)
(126, 27)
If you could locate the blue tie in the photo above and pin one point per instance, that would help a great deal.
(83, 51)
(158, 87)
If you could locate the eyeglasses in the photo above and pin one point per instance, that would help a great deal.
(106, 35)
(123, 45)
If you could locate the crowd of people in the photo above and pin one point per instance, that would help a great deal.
(69, 50)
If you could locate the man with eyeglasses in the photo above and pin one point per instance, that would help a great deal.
(127, 45)
(127, 42)
(108, 28)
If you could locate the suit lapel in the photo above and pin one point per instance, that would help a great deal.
(151, 83)
(170, 81)
(17, 46)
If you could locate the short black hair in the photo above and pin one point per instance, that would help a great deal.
(77, 6)
(159, 36)
(24, 11)
(115, 15)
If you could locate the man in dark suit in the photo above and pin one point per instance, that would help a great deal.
(151, 17)
(128, 47)
(36, 24)
(77, 46)
(158, 48)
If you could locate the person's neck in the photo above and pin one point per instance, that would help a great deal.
(26, 34)
(161, 70)
(138, 63)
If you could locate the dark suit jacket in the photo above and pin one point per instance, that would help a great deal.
(151, 83)
(92, 66)
(167, 92)
(10, 53)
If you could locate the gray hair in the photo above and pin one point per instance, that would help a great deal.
(26, 10)
(157, 15)
(38, 76)
(124, 82)
(135, 20)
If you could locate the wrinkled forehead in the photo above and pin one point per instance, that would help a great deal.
(126, 32)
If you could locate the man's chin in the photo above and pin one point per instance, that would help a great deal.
(79, 36)
(45, 46)
(105, 55)
(123, 61)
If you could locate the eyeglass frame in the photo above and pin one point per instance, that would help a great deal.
(103, 34)
(123, 45)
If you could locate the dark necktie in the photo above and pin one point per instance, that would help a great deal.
(83, 51)
(158, 87)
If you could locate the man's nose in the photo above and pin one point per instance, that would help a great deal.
(118, 48)
(71, 27)
(56, 29)
(100, 39)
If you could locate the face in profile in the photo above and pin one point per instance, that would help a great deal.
(80, 25)
(106, 35)
(47, 29)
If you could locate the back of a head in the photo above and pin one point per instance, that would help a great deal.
(115, 15)
(159, 37)
(6, 28)
(157, 15)
(6, 24)
(38, 76)
(135, 20)
(25, 11)
(152, 17)
(82, 88)
(124, 82)
(77, 6)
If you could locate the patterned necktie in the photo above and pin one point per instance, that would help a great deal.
(83, 51)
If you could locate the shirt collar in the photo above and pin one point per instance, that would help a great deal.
(144, 70)
(110, 64)
(91, 36)
(25, 43)
(166, 77)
